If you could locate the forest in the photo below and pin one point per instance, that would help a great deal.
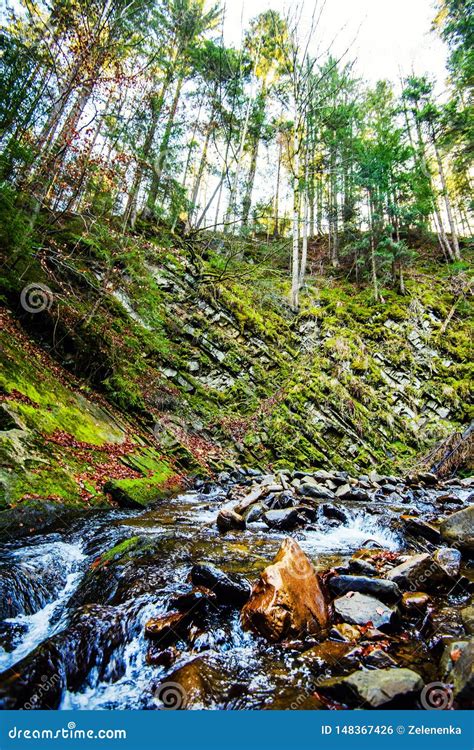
(236, 344)
(136, 113)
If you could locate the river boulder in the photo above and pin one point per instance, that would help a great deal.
(379, 688)
(287, 601)
(458, 529)
(228, 588)
(359, 609)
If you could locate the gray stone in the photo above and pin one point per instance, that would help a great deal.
(449, 559)
(315, 491)
(362, 567)
(418, 573)
(283, 520)
(375, 689)
(359, 609)
(458, 529)
(228, 520)
(377, 587)
(228, 588)
(420, 528)
(467, 616)
(460, 671)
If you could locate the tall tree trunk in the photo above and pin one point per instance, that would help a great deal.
(164, 147)
(295, 282)
(276, 205)
(156, 104)
(447, 200)
(304, 251)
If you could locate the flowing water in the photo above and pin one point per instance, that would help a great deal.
(183, 532)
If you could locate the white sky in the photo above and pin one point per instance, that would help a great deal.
(390, 35)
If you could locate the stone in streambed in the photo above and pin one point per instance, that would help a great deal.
(248, 500)
(420, 528)
(280, 501)
(287, 600)
(458, 529)
(377, 587)
(359, 609)
(328, 654)
(459, 660)
(467, 616)
(315, 491)
(375, 689)
(282, 520)
(227, 588)
(345, 632)
(415, 601)
(228, 520)
(419, 572)
(449, 559)
(362, 567)
(168, 629)
(198, 684)
(255, 512)
(379, 659)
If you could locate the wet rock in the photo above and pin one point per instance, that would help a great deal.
(287, 601)
(333, 512)
(224, 477)
(195, 601)
(449, 559)
(359, 495)
(94, 633)
(228, 588)
(419, 572)
(359, 609)
(294, 699)
(345, 632)
(343, 491)
(169, 628)
(377, 587)
(255, 513)
(422, 477)
(362, 567)
(458, 529)
(248, 500)
(327, 654)
(379, 659)
(280, 501)
(415, 601)
(24, 687)
(198, 684)
(283, 520)
(420, 528)
(461, 673)
(467, 616)
(158, 657)
(315, 491)
(387, 688)
(228, 520)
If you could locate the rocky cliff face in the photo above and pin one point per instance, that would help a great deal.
(157, 362)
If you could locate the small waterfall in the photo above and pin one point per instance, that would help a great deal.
(53, 569)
